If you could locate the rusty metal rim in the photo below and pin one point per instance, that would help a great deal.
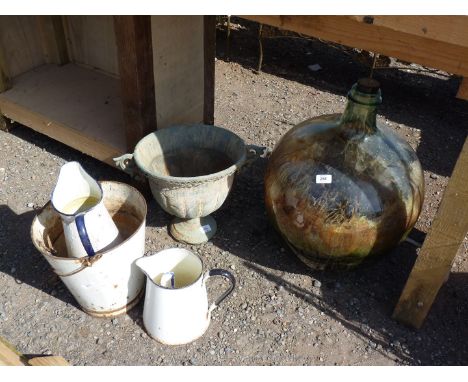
(118, 311)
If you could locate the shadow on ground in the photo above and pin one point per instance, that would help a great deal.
(362, 300)
(21, 260)
(415, 99)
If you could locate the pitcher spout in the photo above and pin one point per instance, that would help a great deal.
(74, 183)
(145, 264)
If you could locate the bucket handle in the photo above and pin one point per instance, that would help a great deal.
(227, 275)
(86, 262)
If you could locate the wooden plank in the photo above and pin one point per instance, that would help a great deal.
(463, 89)
(4, 79)
(383, 40)
(209, 47)
(133, 34)
(9, 356)
(20, 43)
(450, 29)
(53, 39)
(48, 361)
(178, 60)
(439, 249)
(91, 42)
(79, 107)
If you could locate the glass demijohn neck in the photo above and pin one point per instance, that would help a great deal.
(361, 110)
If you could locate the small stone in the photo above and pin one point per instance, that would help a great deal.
(221, 335)
(317, 284)
(433, 176)
(115, 321)
(98, 341)
(212, 352)
(30, 205)
(233, 267)
(3, 315)
(244, 306)
(13, 270)
(143, 335)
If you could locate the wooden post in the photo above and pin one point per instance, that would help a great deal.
(53, 39)
(52, 360)
(209, 47)
(4, 79)
(135, 57)
(9, 356)
(463, 89)
(439, 249)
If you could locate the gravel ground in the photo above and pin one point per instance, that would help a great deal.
(281, 313)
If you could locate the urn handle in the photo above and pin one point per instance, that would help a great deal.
(254, 152)
(127, 164)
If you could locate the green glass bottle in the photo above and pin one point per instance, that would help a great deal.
(342, 188)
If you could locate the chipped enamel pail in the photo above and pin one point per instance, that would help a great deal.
(108, 283)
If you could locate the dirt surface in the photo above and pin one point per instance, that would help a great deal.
(281, 313)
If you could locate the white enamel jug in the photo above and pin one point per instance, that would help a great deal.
(87, 225)
(176, 309)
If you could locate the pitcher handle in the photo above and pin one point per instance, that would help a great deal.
(83, 233)
(227, 275)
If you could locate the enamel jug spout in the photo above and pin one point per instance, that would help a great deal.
(87, 225)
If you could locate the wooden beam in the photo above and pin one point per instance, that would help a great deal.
(53, 39)
(4, 79)
(450, 29)
(9, 356)
(463, 89)
(135, 56)
(439, 249)
(355, 33)
(48, 361)
(209, 47)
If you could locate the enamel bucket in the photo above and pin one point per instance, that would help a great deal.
(108, 283)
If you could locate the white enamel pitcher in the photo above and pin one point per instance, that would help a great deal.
(87, 225)
(176, 309)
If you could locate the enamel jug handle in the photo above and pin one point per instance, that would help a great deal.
(83, 233)
(227, 275)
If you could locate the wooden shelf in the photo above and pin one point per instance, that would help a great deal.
(77, 106)
(101, 83)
